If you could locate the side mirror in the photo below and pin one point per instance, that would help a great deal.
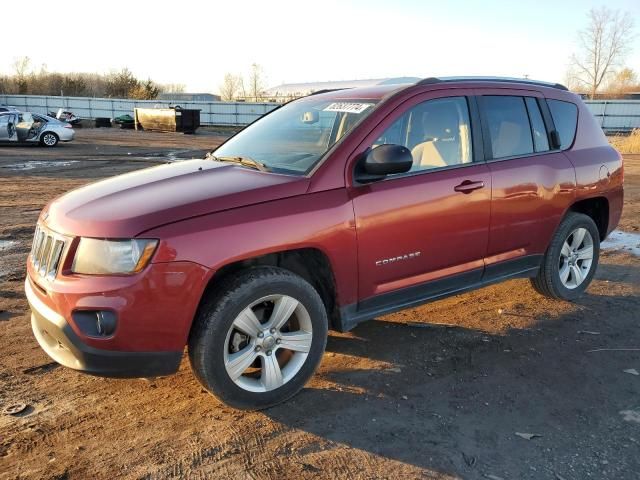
(383, 160)
(555, 139)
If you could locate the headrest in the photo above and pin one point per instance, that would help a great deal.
(441, 121)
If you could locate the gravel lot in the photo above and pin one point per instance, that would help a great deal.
(439, 391)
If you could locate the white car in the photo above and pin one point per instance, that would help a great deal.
(24, 127)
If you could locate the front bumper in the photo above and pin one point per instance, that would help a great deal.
(62, 344)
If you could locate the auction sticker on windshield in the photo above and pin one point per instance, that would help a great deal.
(347, 107)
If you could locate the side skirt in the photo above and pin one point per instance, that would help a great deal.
(352, 315)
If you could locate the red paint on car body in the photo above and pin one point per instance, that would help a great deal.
(208, 216)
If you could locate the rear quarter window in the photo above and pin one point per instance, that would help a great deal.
(565, 119)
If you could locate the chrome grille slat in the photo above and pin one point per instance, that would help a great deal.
(36, 251)
(45, 254)
(56, 252)
(35, 238)
(47, 251)
(41, 242)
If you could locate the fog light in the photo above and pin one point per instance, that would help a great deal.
(105, 323)
(95, 323)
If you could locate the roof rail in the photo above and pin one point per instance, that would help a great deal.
(327, 90)
(434, 80)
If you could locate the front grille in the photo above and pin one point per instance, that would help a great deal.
(46, 252)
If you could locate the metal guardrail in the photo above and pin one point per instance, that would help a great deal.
(616, 115)
(612, 115)
(211, 113)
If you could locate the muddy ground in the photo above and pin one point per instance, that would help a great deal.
(433, 392)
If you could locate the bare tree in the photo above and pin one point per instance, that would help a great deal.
(571, 80)
(623, 81)
(172, 88)
(29, 81)
(147, 90)
(21, 67)
(603, 46)
(120, 84)
(256, 82)
(231, 86)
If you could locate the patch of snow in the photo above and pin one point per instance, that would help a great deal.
(6, 244)
(619, 240)
(632, 416)
(38, 164)
(169, 157)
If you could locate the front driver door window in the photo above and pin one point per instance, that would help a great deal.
(437, 132)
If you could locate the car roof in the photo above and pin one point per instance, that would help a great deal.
(483, 79)
(42, 115)
(379, 92)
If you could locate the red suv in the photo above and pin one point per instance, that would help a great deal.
(330, 210)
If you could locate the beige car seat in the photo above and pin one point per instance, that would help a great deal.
(508, 140)
(445, 139)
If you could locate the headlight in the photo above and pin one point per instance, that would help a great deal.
(100, 257)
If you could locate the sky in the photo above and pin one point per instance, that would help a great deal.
(196, 42)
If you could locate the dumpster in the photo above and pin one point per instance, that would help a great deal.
(103, 122)
(174, 119)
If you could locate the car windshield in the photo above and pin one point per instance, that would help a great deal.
(295, 137)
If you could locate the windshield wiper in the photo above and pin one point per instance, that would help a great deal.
(246, 161)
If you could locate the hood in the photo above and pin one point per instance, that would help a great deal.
(127, 205)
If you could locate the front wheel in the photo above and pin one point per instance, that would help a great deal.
(571, 260)
(259, 338)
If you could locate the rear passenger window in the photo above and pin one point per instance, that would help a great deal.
(538, 130)
(565, 119)
(508, 125)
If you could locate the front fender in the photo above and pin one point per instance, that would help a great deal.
(322, 220)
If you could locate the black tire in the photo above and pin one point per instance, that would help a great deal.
(208, 337)
(548, 282)
(54, 139)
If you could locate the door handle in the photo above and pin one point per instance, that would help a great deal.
(468, 186)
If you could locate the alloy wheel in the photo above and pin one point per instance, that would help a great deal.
(268, 343)
(576, 258)
(49, 139)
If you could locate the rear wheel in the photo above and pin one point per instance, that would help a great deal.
(259, 338)
(49, 139)
(571, 260)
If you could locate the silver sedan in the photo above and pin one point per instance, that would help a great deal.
(25, 127)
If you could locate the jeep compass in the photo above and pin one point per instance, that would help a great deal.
(330, 210)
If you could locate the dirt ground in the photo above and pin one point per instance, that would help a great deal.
(433, 392)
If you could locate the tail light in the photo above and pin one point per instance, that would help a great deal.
(68, 125)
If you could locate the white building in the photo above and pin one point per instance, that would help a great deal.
(288, 91)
